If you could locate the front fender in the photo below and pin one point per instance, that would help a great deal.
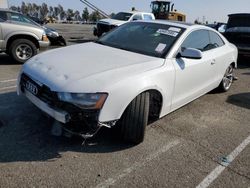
(120, 97)
(15, 33)
(123, 92)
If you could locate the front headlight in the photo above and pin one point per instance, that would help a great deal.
(84, 100)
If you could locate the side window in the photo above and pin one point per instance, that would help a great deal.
(3, 16)
(215, 39)
(15, 17)
(197, 39)
(137, 17)
(147, 17)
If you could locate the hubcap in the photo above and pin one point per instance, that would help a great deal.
(228, 78)
(24, 52)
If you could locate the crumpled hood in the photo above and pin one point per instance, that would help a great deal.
(88, 67)
(110, 21)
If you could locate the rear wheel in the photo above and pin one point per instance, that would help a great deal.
(227, 79)
(135, 118)
(22, 49)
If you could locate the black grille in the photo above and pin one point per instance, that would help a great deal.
(44, 93)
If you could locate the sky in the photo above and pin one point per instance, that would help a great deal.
(209, 10)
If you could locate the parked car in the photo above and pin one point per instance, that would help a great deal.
(140, 71)
(238, 32)
(19, 39)
(37, 20)
(105, 25)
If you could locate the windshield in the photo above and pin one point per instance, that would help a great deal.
(21, 18)
(146, 38)
(122, 16)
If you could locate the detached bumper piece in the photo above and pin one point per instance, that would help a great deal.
(74, 120)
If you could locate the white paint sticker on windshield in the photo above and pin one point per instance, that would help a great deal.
(160, 47)
(167, 32)
(175, 29)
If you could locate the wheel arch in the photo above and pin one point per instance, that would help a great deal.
(234, 64)
(22, 36)
(109, 113)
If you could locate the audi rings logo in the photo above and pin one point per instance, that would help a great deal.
(31, 88)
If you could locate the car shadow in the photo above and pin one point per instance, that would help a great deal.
(7, 60)
(244, 62)
(79, 40)
(25, 134)
(240, 99)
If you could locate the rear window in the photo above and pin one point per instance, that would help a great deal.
(215, 39)
(197, 39)
(147, 17)
(241, 21)
(122, 16)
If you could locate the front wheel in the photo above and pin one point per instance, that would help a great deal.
(135, 118)
(22, 49)
(227, 79)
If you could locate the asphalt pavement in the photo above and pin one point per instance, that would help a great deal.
(205, 143)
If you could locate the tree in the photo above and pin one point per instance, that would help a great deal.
(94, 16)
(30, 9)
(24, 8)
(56, 11)
(77, 16)
(44, 10)
(70, 14)
(62, 13)
(112, 15)
(51, 11)
(85, 14)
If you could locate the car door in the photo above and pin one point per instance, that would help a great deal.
(194, 77)
(3, 18)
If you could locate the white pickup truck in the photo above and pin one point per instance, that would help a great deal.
(105, 25)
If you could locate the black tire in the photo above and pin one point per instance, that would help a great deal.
(20, 56)
(135, 118)
(227, 79)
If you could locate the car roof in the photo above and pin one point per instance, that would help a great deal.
(239, 14)
(134, 12)
(170, 22)
(8, 10)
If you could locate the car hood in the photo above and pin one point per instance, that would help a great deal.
(88, 67)
(26, 24)
(110, 21)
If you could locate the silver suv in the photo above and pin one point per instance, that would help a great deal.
(19, 37)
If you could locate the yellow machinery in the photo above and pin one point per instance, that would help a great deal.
(165, 10)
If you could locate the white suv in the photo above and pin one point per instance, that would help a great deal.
(105, 25)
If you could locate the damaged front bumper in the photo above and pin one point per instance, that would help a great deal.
(73, 119)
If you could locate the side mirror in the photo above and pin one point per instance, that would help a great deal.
(222, 28)
(190, 53)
